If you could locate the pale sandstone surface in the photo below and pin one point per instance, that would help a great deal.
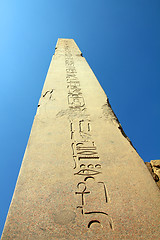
(80, 177)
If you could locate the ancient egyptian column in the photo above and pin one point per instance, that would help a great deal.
(80, 178)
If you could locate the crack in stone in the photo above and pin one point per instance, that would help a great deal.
(41, 102)
(48, 92)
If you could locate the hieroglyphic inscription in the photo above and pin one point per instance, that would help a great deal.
(87, 164)
(75, 98)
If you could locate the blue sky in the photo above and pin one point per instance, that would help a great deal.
(120, 39)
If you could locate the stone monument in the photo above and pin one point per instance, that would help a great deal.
(80, 177)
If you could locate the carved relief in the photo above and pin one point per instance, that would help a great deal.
(87, 165)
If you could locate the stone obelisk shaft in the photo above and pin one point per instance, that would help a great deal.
(80, 177)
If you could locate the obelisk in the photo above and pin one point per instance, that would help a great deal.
(80, 177)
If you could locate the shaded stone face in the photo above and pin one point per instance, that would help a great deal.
(80, 177)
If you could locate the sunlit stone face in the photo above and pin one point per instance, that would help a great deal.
(80, 177)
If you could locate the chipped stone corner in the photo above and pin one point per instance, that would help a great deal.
(154, 169)
(110, 115)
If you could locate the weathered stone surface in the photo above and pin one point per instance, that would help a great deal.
(155, 168)
(80, 177)
(154, 175)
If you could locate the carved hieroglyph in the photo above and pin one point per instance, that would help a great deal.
(80, 177)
